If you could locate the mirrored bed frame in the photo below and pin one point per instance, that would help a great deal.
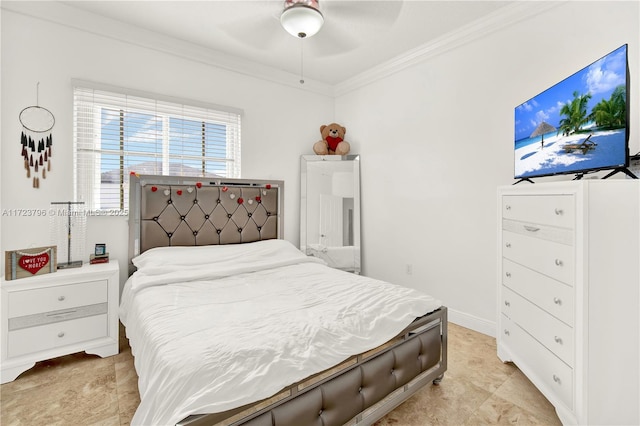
(362, 389)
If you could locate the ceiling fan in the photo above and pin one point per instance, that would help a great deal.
(329, 27)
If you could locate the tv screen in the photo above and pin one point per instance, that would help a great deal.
(579, 125)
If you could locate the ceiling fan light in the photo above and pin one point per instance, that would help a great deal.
(301, 20)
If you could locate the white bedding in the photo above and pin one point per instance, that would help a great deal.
(216, 327)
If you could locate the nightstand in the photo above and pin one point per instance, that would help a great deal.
(57, 314)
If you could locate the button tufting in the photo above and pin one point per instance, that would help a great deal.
(229, 215)
(169, 234)
(206, 216)
(195, 201)
(239, 229)
(259, 228)
(219, 231)
(181, 217)
(218, 201)
(248, 214)
(195, 233)
(169, 201)
(155, 218)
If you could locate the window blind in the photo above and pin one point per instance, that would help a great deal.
(119, 133)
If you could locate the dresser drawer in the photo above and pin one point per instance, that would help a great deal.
(28, 302)
(552, 376)
(551, 295)
(555, 210)
(36, 339)
(551, 332)
(550, 258)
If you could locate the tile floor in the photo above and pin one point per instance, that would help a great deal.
(83, 389)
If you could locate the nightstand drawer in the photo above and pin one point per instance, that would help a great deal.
(556, 210)
(553, 296)
(35, 339)
(551, 332)
(55, 298)
(549, 258)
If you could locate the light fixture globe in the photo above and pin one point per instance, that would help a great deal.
(302, 18)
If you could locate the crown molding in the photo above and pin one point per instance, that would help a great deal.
(502, 18)
(61, 13)
(65, 15)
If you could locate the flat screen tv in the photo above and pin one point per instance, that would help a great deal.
(578, 125)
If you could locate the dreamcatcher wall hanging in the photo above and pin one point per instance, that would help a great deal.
(36, 140)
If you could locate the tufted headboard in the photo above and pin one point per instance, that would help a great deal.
(182, 211)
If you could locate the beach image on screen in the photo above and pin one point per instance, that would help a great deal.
(578, 124)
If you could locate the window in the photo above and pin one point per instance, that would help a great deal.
(118, 132)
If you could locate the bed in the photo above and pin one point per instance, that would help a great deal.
(231, 324)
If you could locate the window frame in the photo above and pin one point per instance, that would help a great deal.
(91, 100)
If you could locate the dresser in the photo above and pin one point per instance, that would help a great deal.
(60, 313)
(569, 295)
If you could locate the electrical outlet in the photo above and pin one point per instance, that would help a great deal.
(634, 166)
(409, 269)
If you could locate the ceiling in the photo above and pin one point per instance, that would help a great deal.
(357, 35)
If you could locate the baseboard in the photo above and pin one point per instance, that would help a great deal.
(472, 322)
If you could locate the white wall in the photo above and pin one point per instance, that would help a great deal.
(280, 123)
(436, 140)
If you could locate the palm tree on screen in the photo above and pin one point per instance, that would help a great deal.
(575, 113)
(611, 113)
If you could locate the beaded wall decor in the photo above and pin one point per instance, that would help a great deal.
(36, 140)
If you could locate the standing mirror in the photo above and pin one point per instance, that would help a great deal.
(330, 209)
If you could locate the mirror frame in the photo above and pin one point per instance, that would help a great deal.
(307, 221)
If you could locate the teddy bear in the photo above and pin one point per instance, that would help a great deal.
(332, 142)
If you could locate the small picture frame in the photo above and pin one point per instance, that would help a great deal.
(101, 249)
(30, 261)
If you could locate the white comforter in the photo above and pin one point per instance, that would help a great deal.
(213, 328)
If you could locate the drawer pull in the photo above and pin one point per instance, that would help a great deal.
(558, 340)
(531, 228)
(557, 301)
(557, 379)
(559, 262)
(559, 212)
(508, 207)
(508, 245)
(506, 332)
(507, 303)
(61, 298)
(61, 334)
(508, 274)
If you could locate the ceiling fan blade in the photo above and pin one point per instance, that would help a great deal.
(361, 13)
(259, 32)
(332, 40)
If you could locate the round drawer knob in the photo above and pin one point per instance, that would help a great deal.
(557, 301)
(508, 207)
(506, 332)
(558, 340)
(61, 334)
(558, 262)
(559, 212)
(507, 303)
(61, 298)
(508, 274)
(508, 245)
(557, 379)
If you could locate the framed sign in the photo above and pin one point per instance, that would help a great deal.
(29, 262)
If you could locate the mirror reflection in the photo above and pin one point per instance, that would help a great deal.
(330, 209)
